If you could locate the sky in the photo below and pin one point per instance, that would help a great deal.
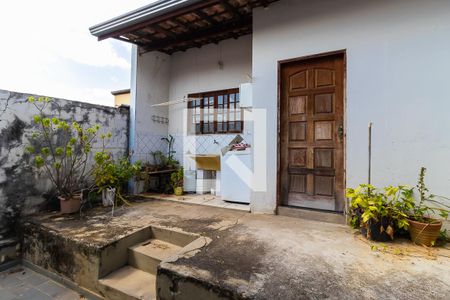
(46, 49)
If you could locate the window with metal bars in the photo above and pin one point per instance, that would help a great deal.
(215, 112)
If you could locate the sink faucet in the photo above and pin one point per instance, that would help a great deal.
(216, 142)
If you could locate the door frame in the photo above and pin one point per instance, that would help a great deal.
(280, 64)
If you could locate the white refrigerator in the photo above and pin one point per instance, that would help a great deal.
(236, 176)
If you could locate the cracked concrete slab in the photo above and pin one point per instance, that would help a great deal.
(252, 256)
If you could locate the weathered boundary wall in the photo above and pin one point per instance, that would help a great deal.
(21, 189)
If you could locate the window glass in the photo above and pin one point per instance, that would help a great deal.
(216, 112)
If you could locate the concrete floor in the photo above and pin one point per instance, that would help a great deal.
(255, 256)
(22, 283)
(205, 199)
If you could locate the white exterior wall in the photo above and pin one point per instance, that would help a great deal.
(197, 70)
(161, 78)
(398, 57)
(150, 86)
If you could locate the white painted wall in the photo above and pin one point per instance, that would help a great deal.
(151, 87)
(161, 78)
(197, 70)
(397, 77)
(153, 80)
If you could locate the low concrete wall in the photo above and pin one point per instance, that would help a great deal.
(68, 258)
(173, 286)
(21, 189)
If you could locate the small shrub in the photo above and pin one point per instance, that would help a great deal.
(113, 174)
(176, 178)
(386, 206)
(60, 149)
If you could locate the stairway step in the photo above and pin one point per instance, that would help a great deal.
(129, 283)
(147, 255)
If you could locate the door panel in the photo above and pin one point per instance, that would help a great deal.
(323, 103)
(311, 146)
(297, 105)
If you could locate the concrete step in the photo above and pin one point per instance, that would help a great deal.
(308, 214)
(147, 255)
(129, 283)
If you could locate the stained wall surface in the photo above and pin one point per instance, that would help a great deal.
(21, 188)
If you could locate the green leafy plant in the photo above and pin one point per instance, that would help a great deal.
(156, 157)
(159, 158)
(170, 160)
(170, 141)
(112, 174)
(60, 149)
(429, 205)
(164, 162)
(176, 178)
(385, 207)
(443, 238)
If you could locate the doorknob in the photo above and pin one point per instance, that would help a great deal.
(341, 132)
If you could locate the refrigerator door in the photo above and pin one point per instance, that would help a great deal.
(236, 176)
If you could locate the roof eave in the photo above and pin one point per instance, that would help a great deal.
(139, 15)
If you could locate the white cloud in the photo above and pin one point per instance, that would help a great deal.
(85, 50)
(46, 48)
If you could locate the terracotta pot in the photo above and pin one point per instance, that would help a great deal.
(178, 191)
(424, 233)
(70, 205)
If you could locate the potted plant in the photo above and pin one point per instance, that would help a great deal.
(378, 213)
(110, 176)
(61, 150)
(169, 161)
(424, 228)
(105, 177)
(140, 182)
(176, 179)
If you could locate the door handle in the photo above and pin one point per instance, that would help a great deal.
(341, 132)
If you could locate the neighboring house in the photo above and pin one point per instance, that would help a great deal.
(320, 71)
(121, 97)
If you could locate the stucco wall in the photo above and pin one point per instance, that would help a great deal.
(161, 78)
(397, 78)
(198, 70)
(20, 188)
(149, 86)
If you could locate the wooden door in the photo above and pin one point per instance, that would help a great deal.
(312, 133)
